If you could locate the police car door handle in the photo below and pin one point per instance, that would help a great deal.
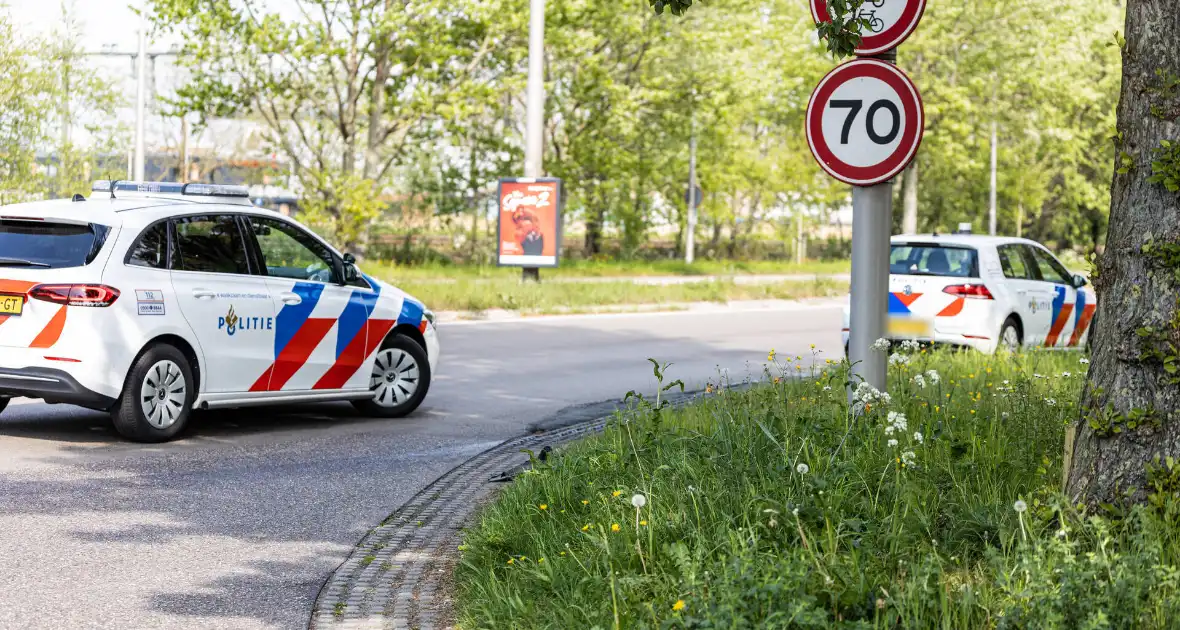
(290, 298)
(202, 294)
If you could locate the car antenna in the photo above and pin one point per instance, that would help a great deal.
(78, 197)
(114, 182)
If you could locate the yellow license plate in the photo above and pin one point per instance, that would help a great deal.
(12, 305)
(909, 328)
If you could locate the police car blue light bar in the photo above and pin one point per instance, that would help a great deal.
(172, 188)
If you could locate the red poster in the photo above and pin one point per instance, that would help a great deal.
(530, 222)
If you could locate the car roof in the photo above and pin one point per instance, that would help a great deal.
(125, 209)
(967, 240)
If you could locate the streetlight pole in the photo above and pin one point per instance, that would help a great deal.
(535, 106)
(140, 100)
(690, 238)
(991, 212)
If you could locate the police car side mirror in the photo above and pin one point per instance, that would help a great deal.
(351, 273)
(1079, 281)
(349, 259)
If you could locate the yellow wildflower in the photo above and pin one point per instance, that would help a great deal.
(511, 561)
(540, 561)
(544, 506)
(679, 605)
(616, 493)
(585, 502)
(586, 527)
(643, 523)
(770, 355)
(614, 527)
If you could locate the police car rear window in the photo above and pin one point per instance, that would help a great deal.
(48, 245)
(919, 259)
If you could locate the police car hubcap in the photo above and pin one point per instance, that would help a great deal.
(163, 394)
(395, 377)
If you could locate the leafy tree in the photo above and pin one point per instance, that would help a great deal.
(345, 89)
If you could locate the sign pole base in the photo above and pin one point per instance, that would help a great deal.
(530, 274)
(872, 223)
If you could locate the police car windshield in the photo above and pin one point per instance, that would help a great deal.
(920, 259)
(41, 244)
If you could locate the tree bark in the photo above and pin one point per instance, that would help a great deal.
(909, 220)
(1133, 290)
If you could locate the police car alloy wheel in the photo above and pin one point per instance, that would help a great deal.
(399, 380)
(158, 396)
(1010, 335)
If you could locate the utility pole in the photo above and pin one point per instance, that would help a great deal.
(183, 150)
(535, 107)
(991, 212)
(140, 99)
(800, 244)
(690, 238)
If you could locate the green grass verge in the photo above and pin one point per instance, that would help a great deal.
(604, 269)
(550, 297)
(778, 508)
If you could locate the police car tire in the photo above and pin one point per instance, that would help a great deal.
(411, 347)
(128, 416)
(1010, 323)
(4, 404)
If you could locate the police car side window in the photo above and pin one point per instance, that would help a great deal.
(1013, 263)
(151, 249)
(210, 244)
(1051, 270)
(288, 252)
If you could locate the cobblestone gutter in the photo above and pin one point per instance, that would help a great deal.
(398, 576)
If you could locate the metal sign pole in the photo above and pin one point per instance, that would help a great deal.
(535, 106)
(872, 224)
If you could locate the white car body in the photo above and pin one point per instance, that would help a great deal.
(253, 338)
(1012, 280)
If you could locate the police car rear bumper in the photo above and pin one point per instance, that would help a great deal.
(51, 386)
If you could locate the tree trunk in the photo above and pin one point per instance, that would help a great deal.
(1135, 290)
(909, 220)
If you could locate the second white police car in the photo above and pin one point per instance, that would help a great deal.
(984, 292)
(151, 299)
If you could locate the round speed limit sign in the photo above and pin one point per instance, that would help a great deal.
(864, 122)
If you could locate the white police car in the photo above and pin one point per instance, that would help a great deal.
(151, 299)
(984, 292)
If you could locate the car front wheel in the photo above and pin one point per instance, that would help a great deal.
(4, 404)
(158, 396)
(399, 381)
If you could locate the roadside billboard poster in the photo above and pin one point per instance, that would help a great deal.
(529, 221)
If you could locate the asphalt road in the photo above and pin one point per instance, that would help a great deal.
(238, 524)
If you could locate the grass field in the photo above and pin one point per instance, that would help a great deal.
(781, 507)
(606, 269)
(567, 297)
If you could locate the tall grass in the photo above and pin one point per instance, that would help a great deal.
(782, 507)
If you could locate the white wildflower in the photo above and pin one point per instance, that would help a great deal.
(1061, 533)
(898, 359)
(920, 381)
(910, 345)
(1084, 361)
(1067, 374)
(933, 377)
(1051, 402)
(1004, 415)
(918, 437)
(885, 398)
(892, 443)
(827, 388)
(639, 501)
(1020, 506)
(897, 420)
(802, 468)
(907, 458)
(1035, 375)
(881, 345)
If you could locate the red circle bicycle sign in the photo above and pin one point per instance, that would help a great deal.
(890, 22)
(865, 122)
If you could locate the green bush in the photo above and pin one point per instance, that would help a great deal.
(935, 505)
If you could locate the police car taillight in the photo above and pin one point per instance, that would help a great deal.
(977, 291)
(91, 295)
